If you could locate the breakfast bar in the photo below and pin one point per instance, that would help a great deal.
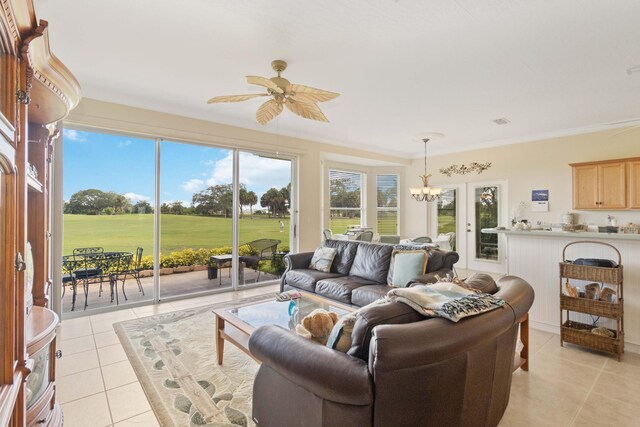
(535, 256)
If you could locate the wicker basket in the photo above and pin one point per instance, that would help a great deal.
(588, 272)
(591, 306)
(580, 333)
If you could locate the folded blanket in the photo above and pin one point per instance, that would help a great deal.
(445, 299)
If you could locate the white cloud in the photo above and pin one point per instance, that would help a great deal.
(74, 135)
(193, 185)
(135, 198)
(124, 143)
(255, 171)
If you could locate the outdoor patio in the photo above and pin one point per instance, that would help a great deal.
(170, 285)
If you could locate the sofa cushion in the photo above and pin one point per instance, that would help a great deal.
(387, 313)
(306, 279)
(340, 288)
(436, 261)
(345, 252)
(322, 259)
(372, 262)
(367, 294)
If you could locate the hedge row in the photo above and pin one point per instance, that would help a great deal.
(188, 257)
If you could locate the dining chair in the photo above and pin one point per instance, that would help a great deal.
(422, 239)
(389, 239)
(134, 271)
(365, 236)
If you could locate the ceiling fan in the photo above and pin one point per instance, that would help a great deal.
(299, 99)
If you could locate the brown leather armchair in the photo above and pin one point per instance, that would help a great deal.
(406, 371)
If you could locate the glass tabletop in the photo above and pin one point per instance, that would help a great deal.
(286, 314)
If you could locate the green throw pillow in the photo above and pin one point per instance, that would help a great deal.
(322, 259)
(406, 266)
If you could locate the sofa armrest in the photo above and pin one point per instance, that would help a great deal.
(430, 277)
(299, 260)
(327, 373)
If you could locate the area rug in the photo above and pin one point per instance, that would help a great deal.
(174, 357)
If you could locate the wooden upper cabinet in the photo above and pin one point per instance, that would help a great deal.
(634, 184)
(607, 185)
(612, 185)
(585, 187)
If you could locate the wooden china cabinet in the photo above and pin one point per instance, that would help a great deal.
(36, 92)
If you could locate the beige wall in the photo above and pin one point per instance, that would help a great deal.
(530, 166)
(113, 117)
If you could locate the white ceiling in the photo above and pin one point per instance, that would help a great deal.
(403, 67)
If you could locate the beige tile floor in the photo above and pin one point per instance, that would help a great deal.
(565, 386)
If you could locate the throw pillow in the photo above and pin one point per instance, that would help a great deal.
(405, 265)
(322, 259)
(482, 282)
(340, 336)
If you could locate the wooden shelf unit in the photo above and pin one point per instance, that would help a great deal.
(579, 332)
(36, 92)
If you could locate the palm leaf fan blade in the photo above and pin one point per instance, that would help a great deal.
(264, 82)
(306, 110)
(310, 94)
(234, 98)
(268, 111)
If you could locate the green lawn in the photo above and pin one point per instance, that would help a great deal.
(126, 232)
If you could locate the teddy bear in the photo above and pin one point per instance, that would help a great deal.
(317, 325)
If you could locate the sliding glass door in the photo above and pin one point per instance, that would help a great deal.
(196, 218)
(147, 219)
(108, 218)
(264, 216)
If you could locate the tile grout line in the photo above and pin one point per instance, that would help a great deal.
(104, 385)
(593, 385)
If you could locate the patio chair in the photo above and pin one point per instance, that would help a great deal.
(390, 239)
(422, 239)
(93, 271)
(365, 236)
(326, 234)
(134, 271)
(261, 250)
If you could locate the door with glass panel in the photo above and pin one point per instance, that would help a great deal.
(109, 192)
(448, 225)
(265, 208)
(486, 208)
(196, 218)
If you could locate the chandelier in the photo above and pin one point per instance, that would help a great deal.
(425, 193)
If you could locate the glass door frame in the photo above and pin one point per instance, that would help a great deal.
(465, 225)
(56, 203)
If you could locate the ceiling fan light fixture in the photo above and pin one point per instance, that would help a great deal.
(299, 99)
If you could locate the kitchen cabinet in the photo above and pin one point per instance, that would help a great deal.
(602, 185)
(634, 184)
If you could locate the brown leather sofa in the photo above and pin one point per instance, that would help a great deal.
(402, 369)
(359, 271)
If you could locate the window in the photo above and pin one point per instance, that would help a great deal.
(345, 200)
(387, 204)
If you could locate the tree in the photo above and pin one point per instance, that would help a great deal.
(252, 199)
(165, 208)
(89, 202)
(177, 208)
(143, 207)
(275, 201)
(214, 200)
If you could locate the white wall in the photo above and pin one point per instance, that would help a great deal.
(119, 118)
(530, 166)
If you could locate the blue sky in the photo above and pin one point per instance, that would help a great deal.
(126, 165)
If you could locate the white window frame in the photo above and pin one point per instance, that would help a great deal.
(389, 209)
(363, 191)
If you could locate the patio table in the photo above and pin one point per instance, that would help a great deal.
(94, 266)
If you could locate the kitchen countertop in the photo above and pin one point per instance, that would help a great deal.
(569, 234)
